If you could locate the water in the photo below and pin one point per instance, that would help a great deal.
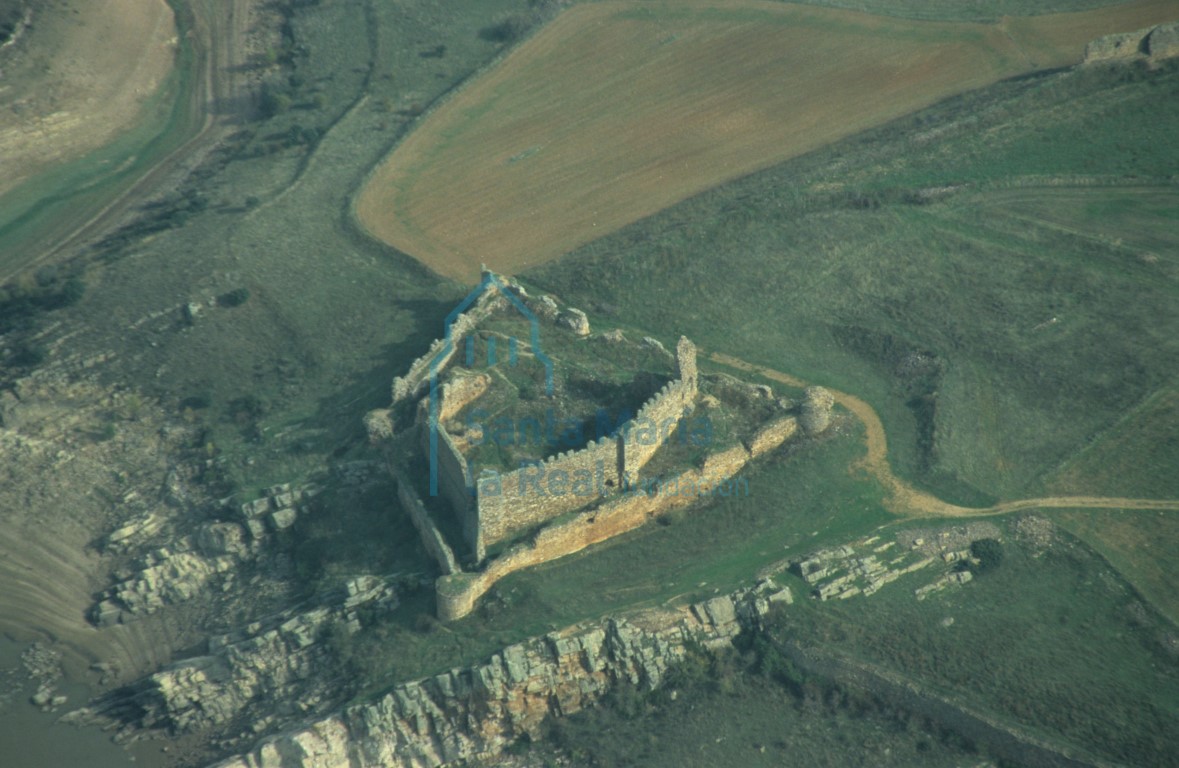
(30, 738)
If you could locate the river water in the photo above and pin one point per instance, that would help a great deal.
(30, 738)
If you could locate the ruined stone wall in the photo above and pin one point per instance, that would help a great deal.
(726, 463)
(772, 435)
(661, 413)
(414, 382)
(528, 496)
(455, 483)
(513, 502)
(432, 538)
(1152, 44)
(458, 595)
(460, 392)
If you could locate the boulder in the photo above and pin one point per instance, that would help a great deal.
(215, 539)
(379, 425)
(575, 320)
(1125, 45)
(816, 410)
(282, 519)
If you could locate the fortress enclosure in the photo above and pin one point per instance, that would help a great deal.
(554, 505)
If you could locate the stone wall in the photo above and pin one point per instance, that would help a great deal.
(454, 481)
(516, 501)
(511, 503)
(431, 537)
(661, 414)
(458, 594)
(459, 392)
(772, 435)
(414, 382)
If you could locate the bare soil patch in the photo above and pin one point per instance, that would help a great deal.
(77, 78)
(617, 110)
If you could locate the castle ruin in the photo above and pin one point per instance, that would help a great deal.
(560, 504)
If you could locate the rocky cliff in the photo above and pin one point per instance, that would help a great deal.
(471, 713)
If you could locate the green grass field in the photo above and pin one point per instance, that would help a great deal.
(1052, 641)
(1140, 545)
(968, 10)
(900, 265)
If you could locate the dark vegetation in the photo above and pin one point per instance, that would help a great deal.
(512, 27)
(26, 304)
(988, 553)
(751, 707)
(11, 13)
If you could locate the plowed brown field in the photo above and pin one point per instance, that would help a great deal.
(619, 109)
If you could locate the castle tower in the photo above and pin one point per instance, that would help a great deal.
(685, 362)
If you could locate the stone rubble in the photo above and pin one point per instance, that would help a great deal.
(275, 662)
(177, 573)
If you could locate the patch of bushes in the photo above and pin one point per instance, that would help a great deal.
(234, 298)
(28, 356)
(987, 554)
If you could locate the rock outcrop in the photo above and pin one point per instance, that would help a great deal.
(1163, 41)
(473, 713)
(179, 572)
(167, 575)
(816, 410)
(272, 662)
(575, 320)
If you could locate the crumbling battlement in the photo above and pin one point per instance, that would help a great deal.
(441, 351)
(563, 503)
(508, 504)
(1151, 44)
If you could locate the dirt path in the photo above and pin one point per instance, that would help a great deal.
(82, 77)
(906, 501)
(218, 97)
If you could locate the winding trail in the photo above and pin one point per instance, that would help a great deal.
(218, 100)
(906, 501)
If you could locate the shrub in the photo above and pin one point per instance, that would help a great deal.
(273, 101)
(234, 298)
(28, 355)
(507, 30)
(196, 402)
(988, 553)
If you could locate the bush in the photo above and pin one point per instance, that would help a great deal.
(28, 355)
(507, 30)
(988, 553)
(196, 402)
(273, 101)
(234, 298)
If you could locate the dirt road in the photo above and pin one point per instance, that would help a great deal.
(219, 95)
(906, 501)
